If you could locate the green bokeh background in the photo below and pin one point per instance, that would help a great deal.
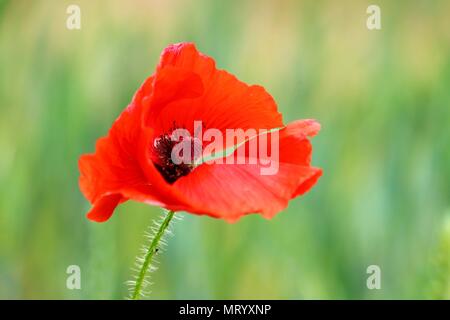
(382, 97)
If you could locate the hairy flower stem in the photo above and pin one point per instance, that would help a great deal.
(152, 249)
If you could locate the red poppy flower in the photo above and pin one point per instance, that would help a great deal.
(133, 161)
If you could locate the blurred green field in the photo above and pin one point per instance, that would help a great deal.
(382, 97)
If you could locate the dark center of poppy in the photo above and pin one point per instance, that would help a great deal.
(163, 161)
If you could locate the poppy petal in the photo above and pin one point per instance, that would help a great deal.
(231, 191)
(115, 167)
(104, 207)
(225, 102)
(113, 164)
(172, 84)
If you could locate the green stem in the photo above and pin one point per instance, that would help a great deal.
(152, 249)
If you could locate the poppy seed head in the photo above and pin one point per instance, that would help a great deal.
(162, 150)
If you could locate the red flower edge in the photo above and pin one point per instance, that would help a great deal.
(187, 87)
